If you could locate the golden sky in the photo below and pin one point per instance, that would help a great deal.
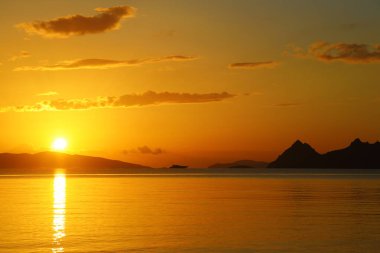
(188, 81)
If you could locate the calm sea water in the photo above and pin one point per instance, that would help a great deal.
(198, 213)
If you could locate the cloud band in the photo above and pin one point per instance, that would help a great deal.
(102, 63)
(254, 65)
(343, 52)
(129, 100)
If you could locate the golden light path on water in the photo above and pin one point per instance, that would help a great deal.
(59, 211)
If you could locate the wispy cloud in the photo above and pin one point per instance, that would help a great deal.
(107, 19)
(102, 63)
(20, 55)
(165, 33)
(287, 104)
(145, 150)
(343, 52)
(144, 99)
(254, 65)
(48, 93)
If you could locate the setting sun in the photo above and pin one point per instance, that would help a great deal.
(59, 144)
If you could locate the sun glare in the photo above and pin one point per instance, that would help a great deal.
(59, 209)
(59, 144)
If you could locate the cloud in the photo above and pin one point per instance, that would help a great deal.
(129, 100)
(145, 150)
(344, 52)
(20, 55)
(287, 105)
(107, 19)
(254, 65)
(254, 93)
(48, 93)
(103, 63)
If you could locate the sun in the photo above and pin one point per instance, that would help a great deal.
(59, 144)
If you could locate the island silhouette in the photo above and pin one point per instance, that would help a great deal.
(358, 155)
(177, 166)
(45, 162)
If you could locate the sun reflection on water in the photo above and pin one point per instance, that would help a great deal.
(59, 211)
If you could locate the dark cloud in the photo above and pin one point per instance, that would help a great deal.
(144, 99)
(343, 52)
(107, 19)
(102, 63)
(253, 65)
(148, 150)
(145, 150)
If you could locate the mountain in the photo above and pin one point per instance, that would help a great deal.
(46, 161)
(299, 155)
(241, 164)
(357, 155)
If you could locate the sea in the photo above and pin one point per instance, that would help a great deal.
(258, 211)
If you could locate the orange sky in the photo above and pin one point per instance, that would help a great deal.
(188, 82)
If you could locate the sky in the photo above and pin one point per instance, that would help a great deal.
(188, 81)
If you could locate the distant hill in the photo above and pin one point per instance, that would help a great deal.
(357, 155)
(176, 166)
(45, 161)
(241, 164)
